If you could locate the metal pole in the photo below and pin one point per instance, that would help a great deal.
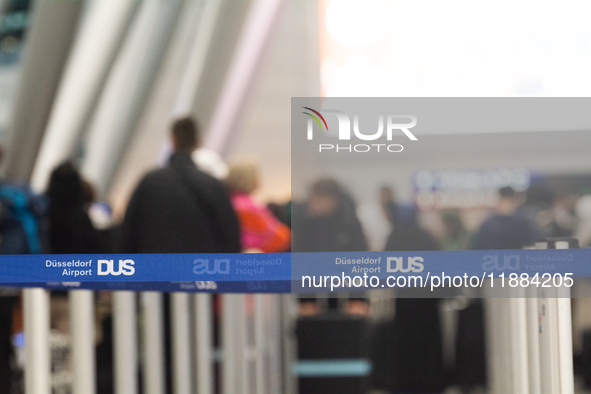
(548, 336)
(244, 350)
(518, 327)
(181, 344)
(229, 340)
(275, 361)
(38, 359)
(288, 317)
(497, 342)
(499, 346)
(125, 342)
(153, 343)
(233, 344)
(229, 344)
(549, 349)
(533, 343)
(83, 347)
(261, 343)
(565, 334)
(204, 341)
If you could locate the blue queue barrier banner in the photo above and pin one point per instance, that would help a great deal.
(219, 273)
(494, 273)
(297, 272)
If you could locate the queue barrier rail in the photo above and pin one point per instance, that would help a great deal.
(253, 342)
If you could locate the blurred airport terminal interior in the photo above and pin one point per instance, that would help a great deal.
(156, 126)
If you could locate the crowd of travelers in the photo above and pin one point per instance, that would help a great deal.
(174, 209)
(181, 208)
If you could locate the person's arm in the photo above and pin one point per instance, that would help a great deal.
(129, 226)
(278, 237)
(479, 240)
(92, 240)
(530, 233)
(275, 236)
(358, 241)
(227, 226)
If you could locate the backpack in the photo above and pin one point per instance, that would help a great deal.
(21, 214)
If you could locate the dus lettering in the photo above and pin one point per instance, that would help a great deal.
(491, 262)
(413, 264)
(220, 266)
(107, 267)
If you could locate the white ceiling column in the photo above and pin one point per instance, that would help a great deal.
(53, 25)
(254, 36)
(102, 30)
(127, 88)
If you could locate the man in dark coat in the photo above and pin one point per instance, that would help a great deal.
(327, 222)
(180, 209)
(507, 228)
(412, 350)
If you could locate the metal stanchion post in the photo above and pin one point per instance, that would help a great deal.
(290, 347)
(204, 341)
(38, 359)
(83, 347)
(518, 332)
(125, 342)
(498, 345)
(533, 343)
(242, 331)
(261, 343)
(181, 344)
(229, 346)
(153, 342)
(548, 334)
(233, 345)
(565, 330)
(274, 360)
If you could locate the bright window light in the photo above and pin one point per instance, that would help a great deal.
(456, 48)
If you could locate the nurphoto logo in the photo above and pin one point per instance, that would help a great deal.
(388, 122)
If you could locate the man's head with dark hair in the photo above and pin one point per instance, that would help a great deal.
(185, 135)
(326, 187)
(65, 187)
(325, 196)
(506, 192)
(509, 201)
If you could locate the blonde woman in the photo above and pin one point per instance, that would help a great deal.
(260, 229)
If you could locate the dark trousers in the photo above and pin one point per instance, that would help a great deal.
(6, 351)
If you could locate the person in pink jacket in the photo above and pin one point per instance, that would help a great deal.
(260, 229)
